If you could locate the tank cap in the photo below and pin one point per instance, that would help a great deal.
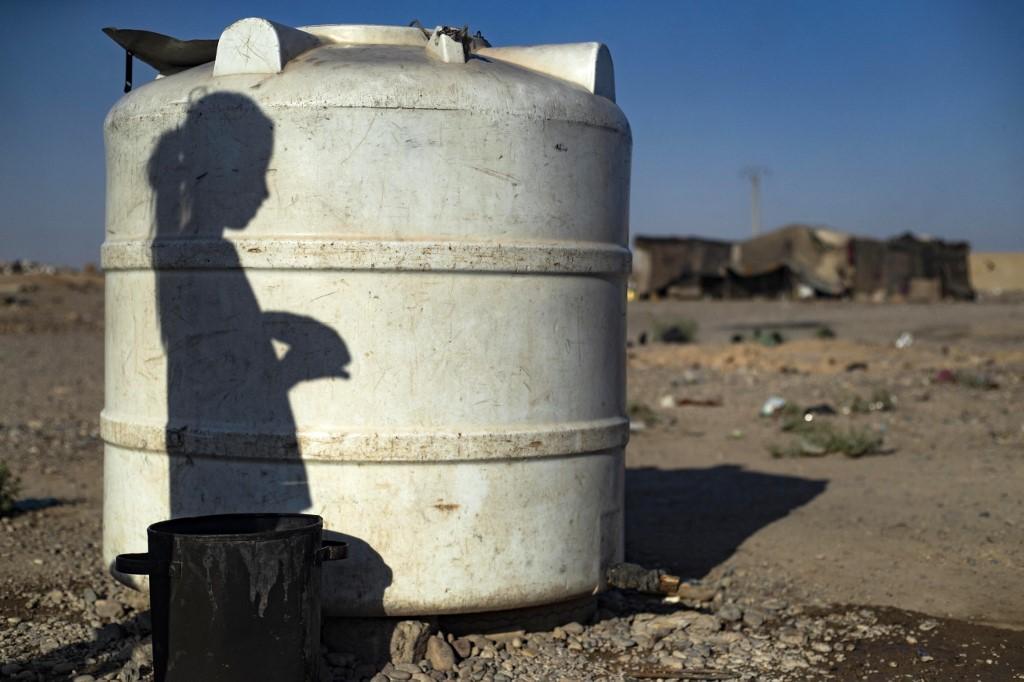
(259, 46)
(586, 64)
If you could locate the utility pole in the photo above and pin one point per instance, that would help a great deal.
(755, 174)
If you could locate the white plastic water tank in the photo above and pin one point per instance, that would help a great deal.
(365, 272)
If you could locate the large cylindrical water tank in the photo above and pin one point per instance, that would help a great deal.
(378, 275)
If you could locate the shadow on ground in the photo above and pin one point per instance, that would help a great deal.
(110, 650)
(688, 521)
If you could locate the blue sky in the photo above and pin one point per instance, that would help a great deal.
(874, 117)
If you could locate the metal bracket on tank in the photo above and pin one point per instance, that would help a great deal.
(453, 45)
(443, 45)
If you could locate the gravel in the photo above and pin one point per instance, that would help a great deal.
(631, 636)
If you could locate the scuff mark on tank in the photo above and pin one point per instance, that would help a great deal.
(359, 144)
(329, 293)
(513, 180)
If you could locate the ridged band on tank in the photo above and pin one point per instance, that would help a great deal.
(567, 438)
(367, 254)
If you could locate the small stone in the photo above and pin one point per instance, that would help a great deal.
(108, 609)
(463, 647)
(927, 625)
(83, 678)
(409, 641)
(398, 675)
(142, 653)
(696, 592)
(49, 645)
(505, 637)
(753, 618)
(730, 613)
(379, 677)
(130, 672)
(821, 647)
(440, 654)
(702, 623)
(410, 668)
(89, 596)
(573, 628)
(791, 637)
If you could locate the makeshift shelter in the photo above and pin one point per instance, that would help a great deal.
(912, 266)
(792, 259)
(802, 261)
(660, 263)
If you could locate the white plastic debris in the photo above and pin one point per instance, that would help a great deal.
(772, 405)
(904, 340)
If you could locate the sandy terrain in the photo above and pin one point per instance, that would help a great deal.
(932, 526)
(935, 526)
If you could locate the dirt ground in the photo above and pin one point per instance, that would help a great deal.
(934, 525)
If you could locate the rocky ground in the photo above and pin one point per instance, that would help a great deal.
(900, 564)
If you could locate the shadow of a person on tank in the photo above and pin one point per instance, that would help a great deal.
(230, 433)
(227, 380)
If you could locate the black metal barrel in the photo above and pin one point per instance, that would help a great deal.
(235, 596)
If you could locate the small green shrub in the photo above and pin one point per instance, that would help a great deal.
(817, 439)
(642, 412)
(769, 337)
(676, 331)
(880, 401)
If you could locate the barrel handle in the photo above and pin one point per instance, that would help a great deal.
(332, 550)
(139, 564)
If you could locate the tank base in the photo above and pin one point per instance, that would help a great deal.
(375, 640)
